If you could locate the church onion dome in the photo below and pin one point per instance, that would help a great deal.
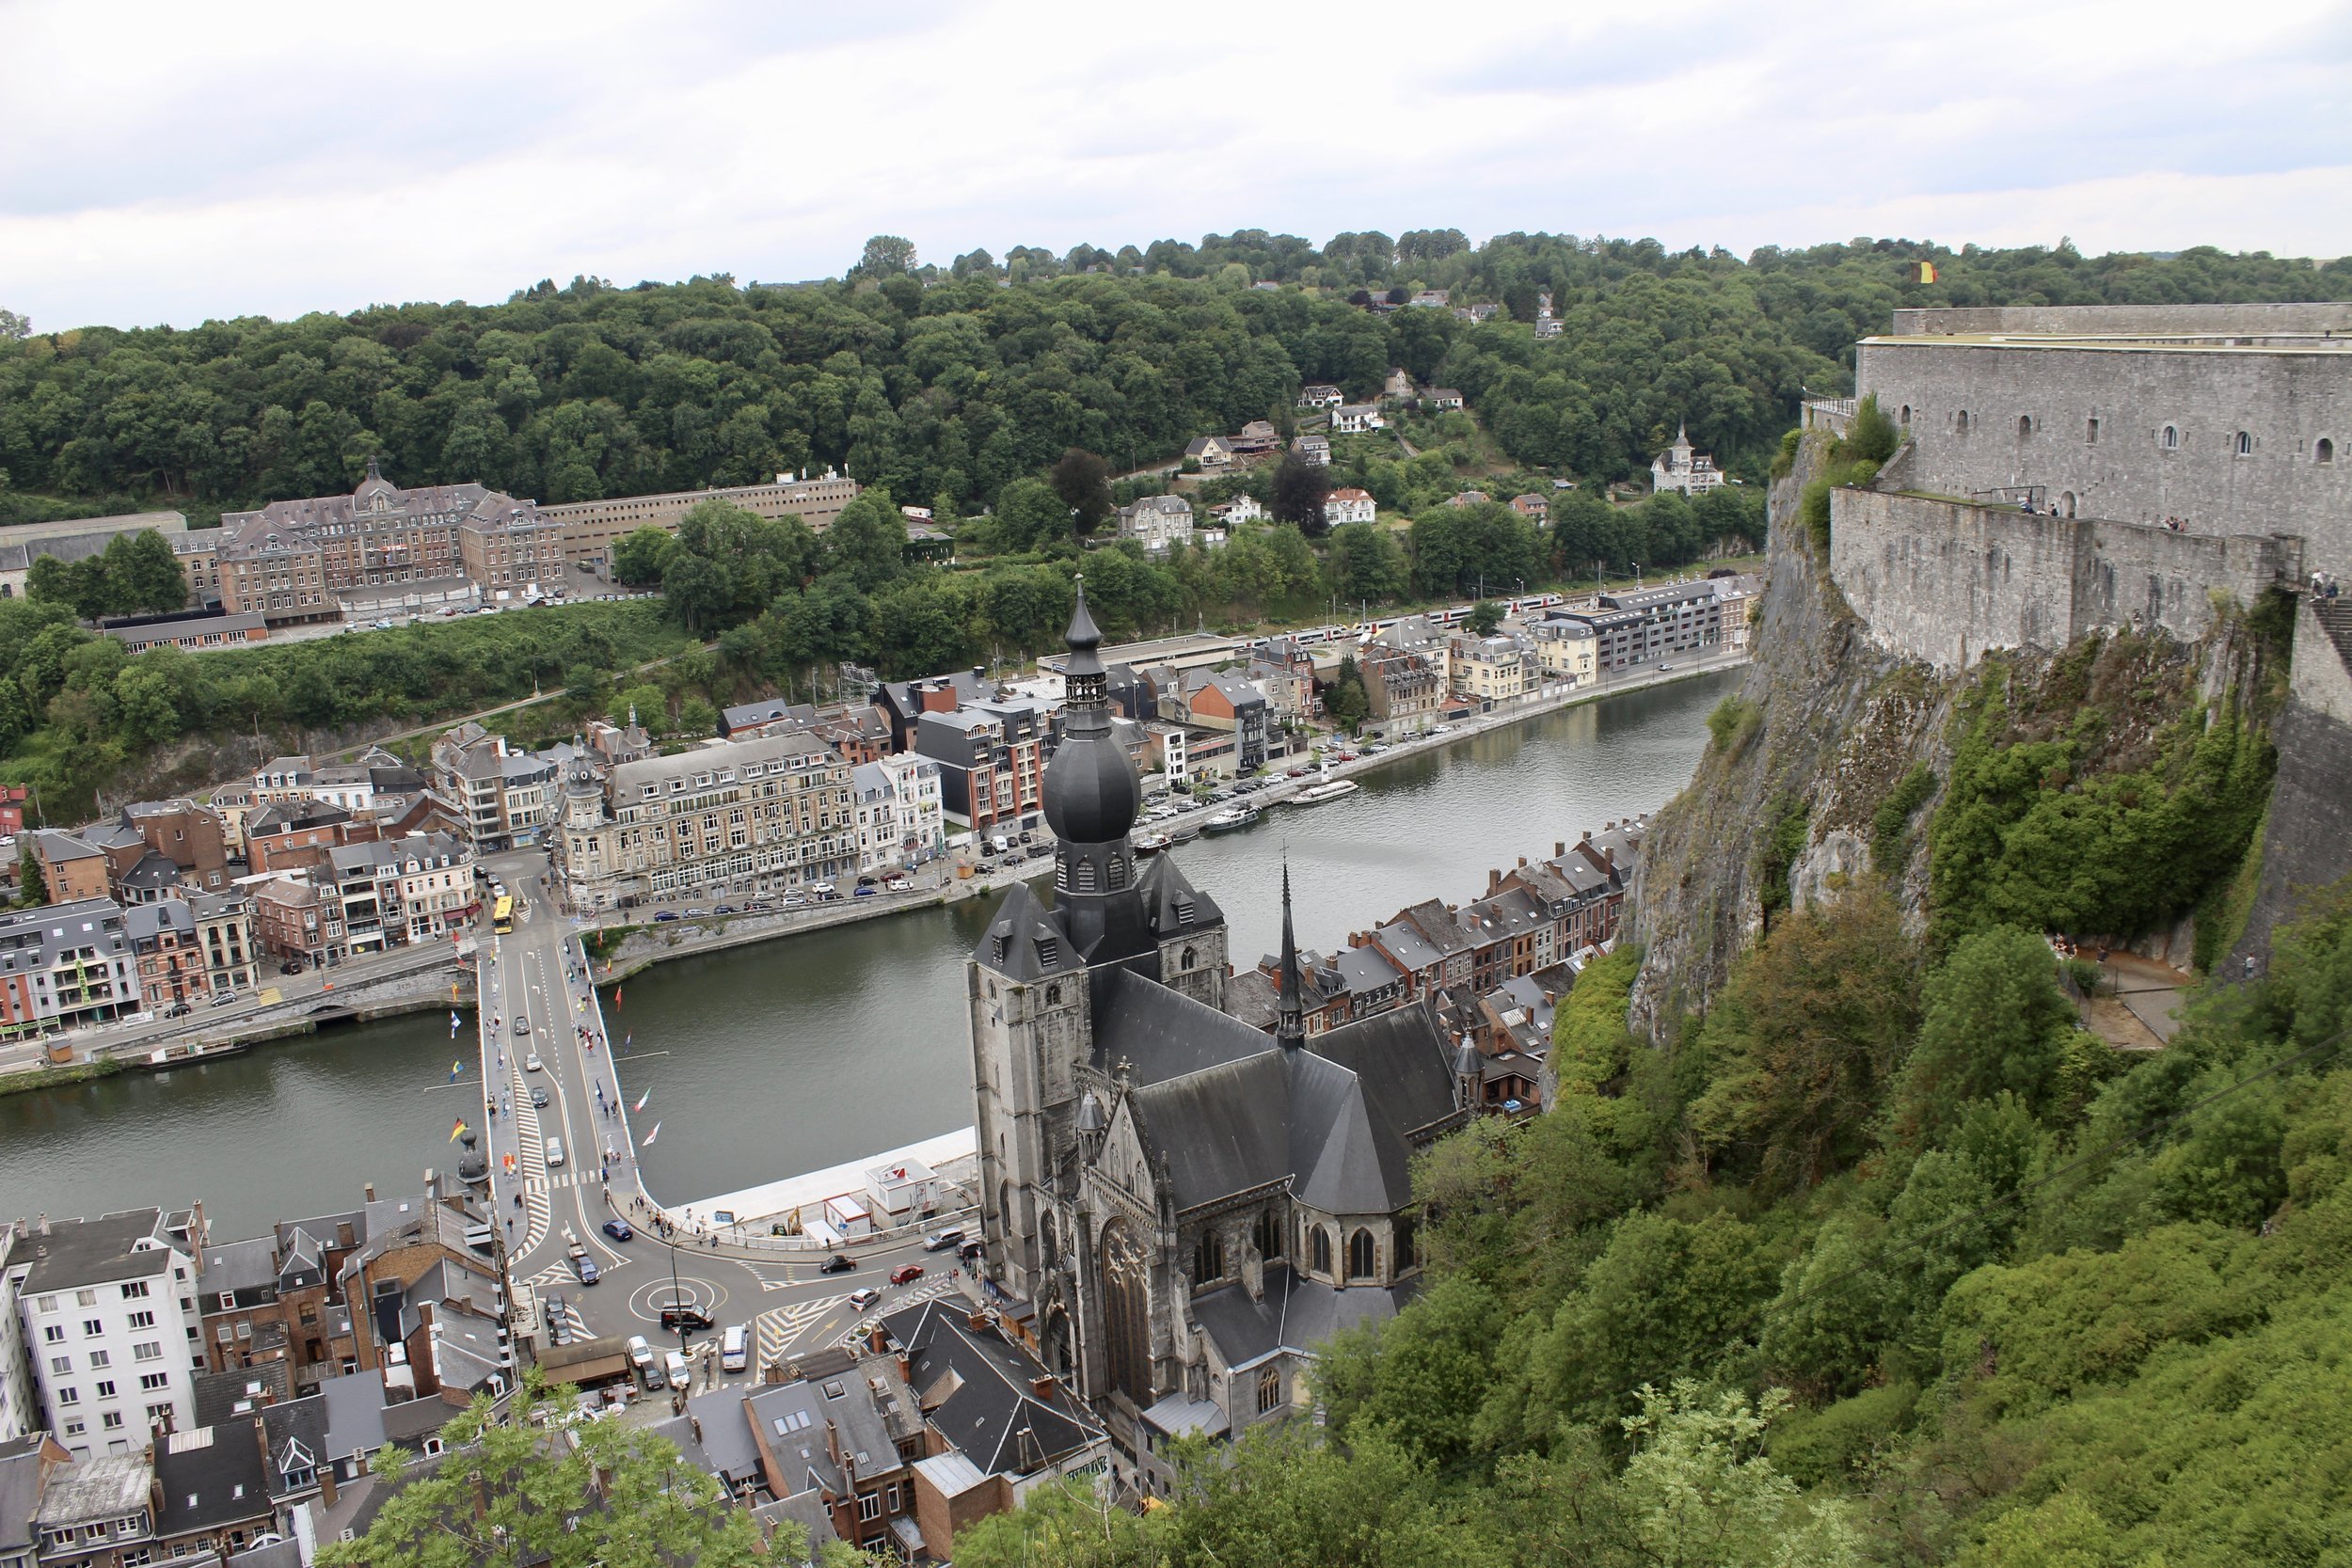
(1091, 795)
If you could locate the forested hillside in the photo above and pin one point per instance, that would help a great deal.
(954, 382)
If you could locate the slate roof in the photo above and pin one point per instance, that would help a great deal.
(95, 1252)
(1363, 970)
(1167, 893)
(1296, 1314)
(1163, 1034)
(245, 1265)
(211, 1476)
(978, 1392)
(1024, 943)
(353, 1407)
(20, 1491)
(727, 1445)
(104, 1488)
(291, 1423)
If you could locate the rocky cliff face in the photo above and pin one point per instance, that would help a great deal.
(1828, 727)
(1825, 727)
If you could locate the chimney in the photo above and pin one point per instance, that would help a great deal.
(976, 1321)
(1494, 880)
(40, 1225)
(906, 1369)
(1610, 856)
(1523, 858)
(876, 1339)
(698, 1426)
(370, 1190)
(1044, 1388)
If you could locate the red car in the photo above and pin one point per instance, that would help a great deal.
(906, 1273)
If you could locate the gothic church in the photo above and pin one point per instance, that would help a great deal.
(1188, 1204)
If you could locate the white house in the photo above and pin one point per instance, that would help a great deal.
(1315, 448)
(1442, 398)
(1210, 451)
(1320, 394)
(1240, 509)
(1678, 468)
(900, 821)
(109, 1314)
(1353, 418)
(1349, 505)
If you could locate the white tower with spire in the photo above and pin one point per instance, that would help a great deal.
(1678, 468)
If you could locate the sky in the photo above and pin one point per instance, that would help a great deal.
(177, 163)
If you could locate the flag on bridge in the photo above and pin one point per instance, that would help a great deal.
(616, 999)
(457, 1131)
(628, 1038)
(641, 1101)
(650, 1136)
(455, 1070)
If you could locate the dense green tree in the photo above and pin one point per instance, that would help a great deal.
(1347, 701)
(643, 556)
(504, 1494)
(1083, 482)
(1484, 619)
(1298, 492)
(886, 256)
(1992, 1020)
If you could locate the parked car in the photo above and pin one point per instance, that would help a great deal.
(868, 892)
(735, 1348)
(897, 884)
(177, 1009)
(824, 890)
(906, 1273)
(292, 966)
(696, 915)
(665, 914)
(224, 999)
(685, 1315)
(620, 1230)
(940, 1240)
(724, 909)
(558, 1321)
(836, 1263)
(758, 906)
(674, 1369)
(864, 1297)
(641, 1357)
(971, 1250)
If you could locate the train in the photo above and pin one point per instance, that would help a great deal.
(1526, 604)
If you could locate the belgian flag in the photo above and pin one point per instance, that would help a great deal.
(1927, 271)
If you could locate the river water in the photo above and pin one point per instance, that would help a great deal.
(765, 1061)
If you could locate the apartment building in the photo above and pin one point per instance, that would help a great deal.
(110, 1320)
(398, 891)
(778, 806)
(189, 835)
(1488, 669)
(901, 819)
(66, 964)
(991, 760)
(296, 921)
(1565, 649)
(589, 529)
(1644, 625)
(20, 1409)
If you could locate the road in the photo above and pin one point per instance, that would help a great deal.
(537, 976)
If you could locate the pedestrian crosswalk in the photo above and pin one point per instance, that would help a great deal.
(556, 1179)
(931, 1289)
(774, 1330)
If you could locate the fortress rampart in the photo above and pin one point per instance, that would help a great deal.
(1944, 581)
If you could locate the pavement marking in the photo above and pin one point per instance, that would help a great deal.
(931, 1289)
(776, 1328)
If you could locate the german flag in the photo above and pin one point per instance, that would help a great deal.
(457, 1131)
(1927, 271)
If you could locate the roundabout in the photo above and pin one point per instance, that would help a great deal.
(647, 1302)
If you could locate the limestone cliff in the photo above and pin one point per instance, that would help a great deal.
(1824, 724)
(1836, 751)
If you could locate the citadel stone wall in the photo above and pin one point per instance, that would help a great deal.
(2232, 441)
(1943, 582)
(2289, 320)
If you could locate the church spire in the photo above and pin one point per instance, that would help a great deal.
(1290, 1020)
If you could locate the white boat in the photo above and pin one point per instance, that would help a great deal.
(1152, 843)
(1231, 818)
(1317, 795)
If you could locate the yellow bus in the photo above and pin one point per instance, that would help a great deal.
(503, 916)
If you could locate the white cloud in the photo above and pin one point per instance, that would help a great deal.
(164, 165)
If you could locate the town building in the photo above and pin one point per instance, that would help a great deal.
(224, 935)
(97, 1512)
(1240, 510)
(902, 703)
(1185, 1205)
(289, 561)
(1315, 448)
(1255, 438)
(1320, 394)
(589, 529)
(1349, 504)
(1644, 625)
(20, 1404)
(900, 817)
(1442, 398)
(419, 887)
(778, 807)
(991, 761)
(1678, 468)
(66, 964)
(1209, 451)
(1488, 669)
(189, 835)
(1157, 521)
(171, 968)
(1566, 648)
(1403, 690)
(1224, 702)
(72, 867)
(1536, 508)
(69, 540)
(108, 1308)
(1353, 418)
(503, 797)
(296, 921)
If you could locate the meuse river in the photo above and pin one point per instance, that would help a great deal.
(765, 1061)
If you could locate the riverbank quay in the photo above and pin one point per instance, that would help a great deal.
(405, 980)
(640, 945)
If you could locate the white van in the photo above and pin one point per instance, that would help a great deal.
(735, 1348)
(555, 1152)
(673, 1369)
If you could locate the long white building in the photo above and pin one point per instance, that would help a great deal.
(108, 1313)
